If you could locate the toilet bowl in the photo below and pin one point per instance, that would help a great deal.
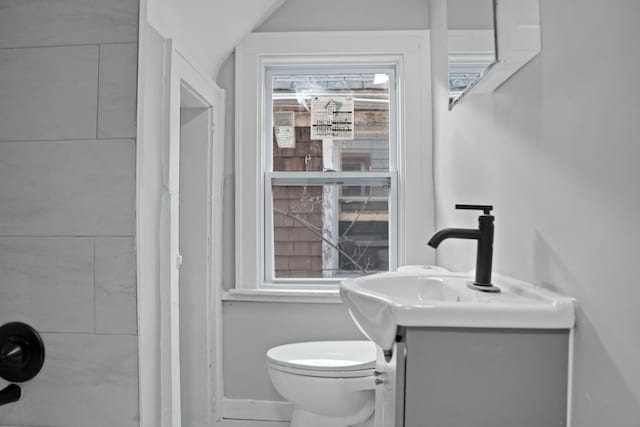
(329, 383)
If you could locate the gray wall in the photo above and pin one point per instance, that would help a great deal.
(555, 149)
(67, 193)
(485, 377)
(252, 328)
(352, 15)
(469, 14)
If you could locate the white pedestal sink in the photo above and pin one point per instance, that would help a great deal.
(381, 303)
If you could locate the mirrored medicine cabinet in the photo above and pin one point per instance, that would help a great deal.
(489, 41)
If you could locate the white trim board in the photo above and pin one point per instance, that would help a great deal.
(253, 423)
(262, 410)
(152, 133)
(518, 42)
(163, 72)
(203, 388)
(331, 296)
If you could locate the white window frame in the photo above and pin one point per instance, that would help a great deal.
(408, 53)
(333, 65)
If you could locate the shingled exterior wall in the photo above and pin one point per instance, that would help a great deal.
(298, 250)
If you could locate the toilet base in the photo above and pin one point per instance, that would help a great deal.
(302, 418)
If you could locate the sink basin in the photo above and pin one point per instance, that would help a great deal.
(381, 303)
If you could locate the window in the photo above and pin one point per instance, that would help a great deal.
(332, 156)
(328, 215)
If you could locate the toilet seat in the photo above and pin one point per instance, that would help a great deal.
(329, 359)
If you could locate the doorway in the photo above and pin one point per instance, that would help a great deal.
(194, 231)
(179, 229)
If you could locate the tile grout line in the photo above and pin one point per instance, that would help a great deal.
(87, 140)
(98, 96)
(70, 140)
(95, 327)
(89, 334)
(67, 45)
(66, 235)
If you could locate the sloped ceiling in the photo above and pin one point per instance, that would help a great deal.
(206, 31)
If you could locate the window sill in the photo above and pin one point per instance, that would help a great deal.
(313, 296)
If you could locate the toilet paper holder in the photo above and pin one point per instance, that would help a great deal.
(21, 358)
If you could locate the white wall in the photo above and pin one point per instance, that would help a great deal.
(555, 149)
(193, 246)
(206, 31)
(469, 14)
(352, 15)
(251, 328)
(67, 196)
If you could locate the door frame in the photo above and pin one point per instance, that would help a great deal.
(157, 231)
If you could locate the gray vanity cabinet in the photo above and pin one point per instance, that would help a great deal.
(457, 377)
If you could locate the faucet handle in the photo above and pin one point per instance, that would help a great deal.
(485, 208)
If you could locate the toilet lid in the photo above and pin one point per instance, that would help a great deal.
(330, 356)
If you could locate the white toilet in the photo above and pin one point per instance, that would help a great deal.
(330, 383)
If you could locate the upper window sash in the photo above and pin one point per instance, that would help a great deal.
(329, 65)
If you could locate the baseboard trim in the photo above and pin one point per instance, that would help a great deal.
(251, 423)
(256, 410)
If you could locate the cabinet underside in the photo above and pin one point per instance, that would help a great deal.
(485, 377)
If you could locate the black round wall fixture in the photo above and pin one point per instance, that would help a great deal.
(21, 352)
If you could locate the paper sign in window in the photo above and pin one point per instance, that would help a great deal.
(284, 127)
(332, 117)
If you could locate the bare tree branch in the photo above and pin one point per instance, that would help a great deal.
(312, 228)
(359, 251)
(359, 212)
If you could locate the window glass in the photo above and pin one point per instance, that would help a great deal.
(330, 231)
(324, 125)
(294, 149)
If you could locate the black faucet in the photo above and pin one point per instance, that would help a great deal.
(484, 236)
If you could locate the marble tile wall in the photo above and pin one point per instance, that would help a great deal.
(67, 22)
(68, 72)
(116, 105)
(33, 108)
